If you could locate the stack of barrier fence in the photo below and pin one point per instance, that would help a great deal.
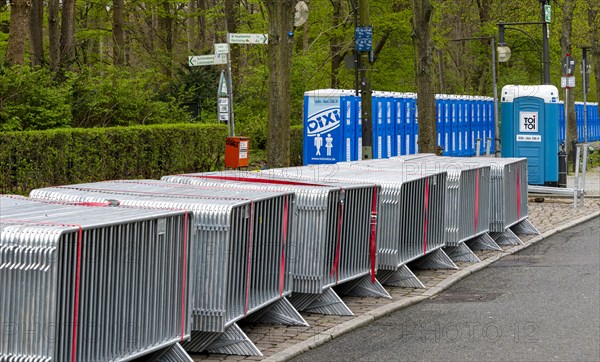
(410, 222)
(82, 283)
(509, 210)
(335, 244)
(467, 198)
(240, 255)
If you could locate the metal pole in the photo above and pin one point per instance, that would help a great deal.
(545, 37)
(231, 123)
(356, 55)
(365, 88)
(495, 82)
(584, 81)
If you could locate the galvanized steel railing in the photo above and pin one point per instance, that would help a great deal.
(239, 238)
(333, 233)
(410, 206)
(90, 283)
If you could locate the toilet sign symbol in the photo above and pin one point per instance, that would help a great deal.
(318, 144)
(329, 144)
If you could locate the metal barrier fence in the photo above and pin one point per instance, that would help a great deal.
(508, 199)
(332, 234)
(467, 196)
(240, 254)
(407, 230)
(91, 283)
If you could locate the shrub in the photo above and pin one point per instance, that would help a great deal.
(36, 159)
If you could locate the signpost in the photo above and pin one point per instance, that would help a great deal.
(239, 38)
(222, 57)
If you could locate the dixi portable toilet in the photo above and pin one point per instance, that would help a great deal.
(530, 128)
(329, 126)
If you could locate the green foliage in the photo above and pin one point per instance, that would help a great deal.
(57, 157)
(31, 100)
(296, 145)
(117, 98)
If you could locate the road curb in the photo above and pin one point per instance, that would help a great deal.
(368, 317)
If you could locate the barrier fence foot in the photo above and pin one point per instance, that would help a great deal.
(327, 302)
(525, 227)
(280, 312)
(461, 252)
(364, 287)
(506, 238)
(483, 242)
(435, 260)
(232, 341)
(403, 277)
(174, 353)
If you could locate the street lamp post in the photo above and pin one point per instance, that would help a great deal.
(545, 35)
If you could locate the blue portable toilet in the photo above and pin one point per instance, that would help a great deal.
(561, 121)
(409, 123)
(530, 128)
(447, 125)
(378, 114)
(398, 123)
(389, 118)
(439, 120)
(453, 105)
(358, 107)
(491, 127)
(329, 129)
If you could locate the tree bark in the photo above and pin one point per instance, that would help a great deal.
(594, 22)
(231, 14)
(36, 32)
(335, 43)
(17, 31)
(165, 22)
(67, 35)
(53, 34)
(421, 34)
(118, 34)
(281, 21)
(566, 47)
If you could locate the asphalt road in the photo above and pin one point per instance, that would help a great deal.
(541, 304)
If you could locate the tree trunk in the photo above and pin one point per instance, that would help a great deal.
(36, 32)
(421, 34)
(335, 42)
(231, 14)
(17, 31)
(53, 34)
(165, 22)
(594, 22)
(305, 28)
(190, 23)
(202, 36)
(281, 21)
(118, 33)
(67, 35)
(566, 47)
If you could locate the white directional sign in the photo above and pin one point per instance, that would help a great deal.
(222, 48)
(211, 59)
(238, 38)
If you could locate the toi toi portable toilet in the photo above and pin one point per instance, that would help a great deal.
(530, 128)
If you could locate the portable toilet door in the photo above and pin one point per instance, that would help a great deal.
(439, 121)
(561, 120)
(409, 124)
(358, 107)
(398, 124)
(530, 129)
(390, 138)
(348, 111)
(323, 131)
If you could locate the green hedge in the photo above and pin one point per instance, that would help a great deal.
(296, 146)
(36, 159)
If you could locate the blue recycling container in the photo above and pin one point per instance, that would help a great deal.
(530, 128)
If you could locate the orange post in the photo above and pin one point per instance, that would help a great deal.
(237, 150)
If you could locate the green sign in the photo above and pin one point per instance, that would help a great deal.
(547, 13)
